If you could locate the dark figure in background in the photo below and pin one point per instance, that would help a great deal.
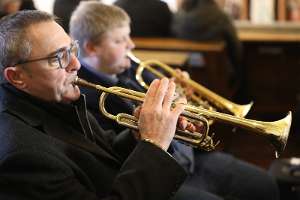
(204, 20)
(149, 18)
(9, 6)
(12, 6)
(63, 9)
(51, 146)
(27, 5)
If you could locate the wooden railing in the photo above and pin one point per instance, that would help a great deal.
(173, 44)
(175, 52)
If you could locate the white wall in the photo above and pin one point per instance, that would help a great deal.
(47, 5)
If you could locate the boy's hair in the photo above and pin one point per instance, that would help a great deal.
(15, 45)
(91, 19)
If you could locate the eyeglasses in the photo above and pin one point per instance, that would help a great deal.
(61, 58)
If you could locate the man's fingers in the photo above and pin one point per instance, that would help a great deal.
(179, 106)
(161, 92)
(181, 100)
(151, 92)
(137, 111)
(169, 97)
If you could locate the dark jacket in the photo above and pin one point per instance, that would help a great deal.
(149, 18)
(63, 9)
(27, 5)
(114, 104)
(55, 151)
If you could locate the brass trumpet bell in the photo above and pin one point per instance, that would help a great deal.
(276, 132)
(218, 101)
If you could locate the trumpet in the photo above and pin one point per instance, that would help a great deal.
(276, 132)
(200, 91)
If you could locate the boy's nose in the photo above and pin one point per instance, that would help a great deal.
(130, 45)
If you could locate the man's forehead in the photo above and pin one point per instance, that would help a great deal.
(47, 37)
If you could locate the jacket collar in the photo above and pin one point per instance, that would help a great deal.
(125, 79)
(47, 116)
(94, 76)
(12, 100)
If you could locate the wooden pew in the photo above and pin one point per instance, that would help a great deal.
(213, 74)
(177, 44)
(271, 58)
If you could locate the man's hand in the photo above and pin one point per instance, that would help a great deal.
(157, 118)
(186, 89)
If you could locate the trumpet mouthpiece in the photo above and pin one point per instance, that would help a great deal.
(133, 57)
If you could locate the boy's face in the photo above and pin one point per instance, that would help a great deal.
(112, 50)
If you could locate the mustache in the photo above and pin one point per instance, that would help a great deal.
(72, 79)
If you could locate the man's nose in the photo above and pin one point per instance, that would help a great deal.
(74, 64)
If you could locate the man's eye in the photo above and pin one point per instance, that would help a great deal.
(53, 62)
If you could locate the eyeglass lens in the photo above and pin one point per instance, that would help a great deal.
(64, 57)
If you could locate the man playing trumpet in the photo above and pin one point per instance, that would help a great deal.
(103, 33)
(51, 146)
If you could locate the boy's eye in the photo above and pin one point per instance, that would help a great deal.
(121, 40)
(118, 41)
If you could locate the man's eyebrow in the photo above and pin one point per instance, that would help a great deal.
(57, 51)
(61, 49)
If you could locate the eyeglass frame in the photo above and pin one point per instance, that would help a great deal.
(57, 55)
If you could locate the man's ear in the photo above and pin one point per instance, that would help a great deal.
(15, 76)
(90, 48)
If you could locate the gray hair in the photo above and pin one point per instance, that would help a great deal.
(91, 19)
(15, 45)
